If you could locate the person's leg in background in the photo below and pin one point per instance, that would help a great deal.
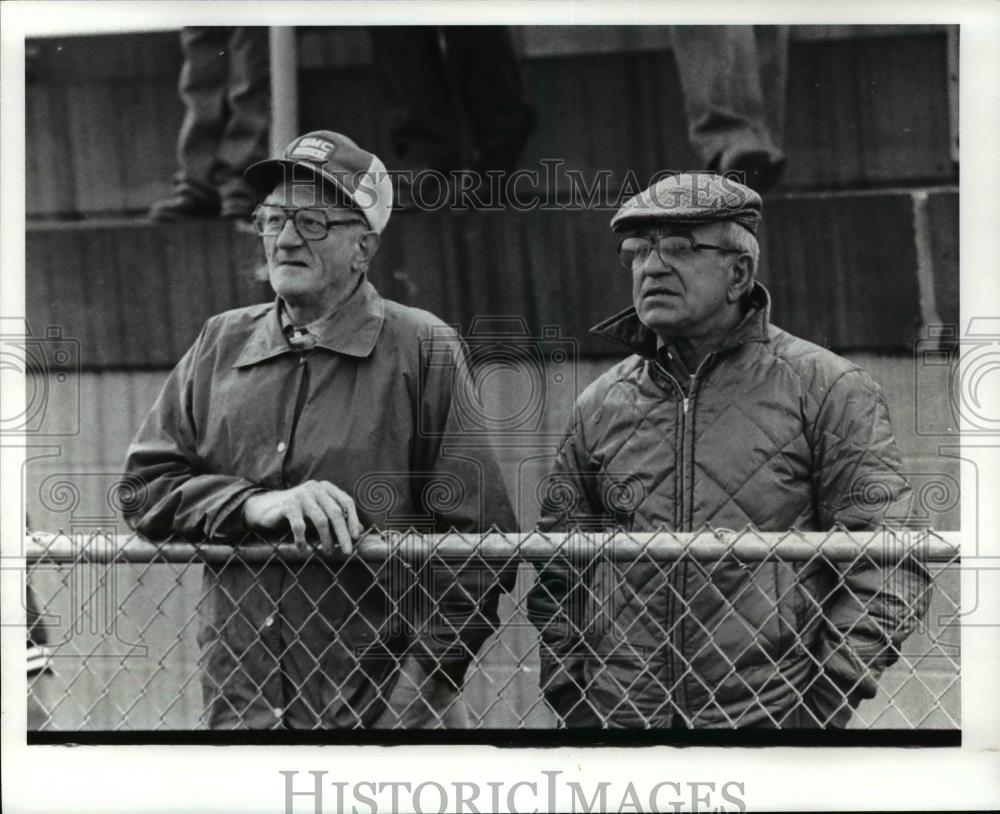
(202, 89)
(772, 53)
(248, 102)
(38, 658)
(420, 104)
(486, 71)
(733, 80)
(417, 96)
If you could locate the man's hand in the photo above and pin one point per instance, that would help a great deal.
(319, 502)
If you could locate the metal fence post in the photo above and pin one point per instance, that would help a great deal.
(284, 87)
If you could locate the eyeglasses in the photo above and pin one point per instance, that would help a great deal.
(310, 223)
(672, 247)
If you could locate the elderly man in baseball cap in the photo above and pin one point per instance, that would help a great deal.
(313, 417)
(719, 418)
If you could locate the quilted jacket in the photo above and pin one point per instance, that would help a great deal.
(771, 432)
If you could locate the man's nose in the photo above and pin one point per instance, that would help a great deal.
(654, 263)
(289, 235)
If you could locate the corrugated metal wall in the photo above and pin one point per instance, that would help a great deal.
(852, 120)
(136, 295)
(842, 268)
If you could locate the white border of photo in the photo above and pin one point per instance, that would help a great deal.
(247, 778)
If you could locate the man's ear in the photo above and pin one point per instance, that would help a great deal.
(367, 247)
(740, 277)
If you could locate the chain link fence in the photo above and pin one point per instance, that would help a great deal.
(186, 636)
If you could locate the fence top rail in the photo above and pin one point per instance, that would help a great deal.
(883, 545)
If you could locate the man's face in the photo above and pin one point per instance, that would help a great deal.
(683, 296)
(312, 271)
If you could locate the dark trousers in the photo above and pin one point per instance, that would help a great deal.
(733, 78)
(421, 71)
(225, 87)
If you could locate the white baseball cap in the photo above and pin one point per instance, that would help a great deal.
(335, 158)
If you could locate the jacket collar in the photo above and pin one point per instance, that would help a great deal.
(352, 330)
(626, 329)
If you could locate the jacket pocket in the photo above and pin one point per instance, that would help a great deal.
(628, 607)
(789, 608)
(811, 595)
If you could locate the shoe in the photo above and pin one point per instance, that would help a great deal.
(760, 169)
(183, 205)
(39, 659)
(237, 209)
(244, 226)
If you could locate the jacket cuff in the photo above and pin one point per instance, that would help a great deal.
(562, 686)
(227, 524)
(843, 682)
(830, 703)
(845, 667)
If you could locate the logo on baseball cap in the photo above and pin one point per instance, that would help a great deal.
(334, 158)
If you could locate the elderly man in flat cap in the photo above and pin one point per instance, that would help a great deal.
(323, 413)
(718, 418)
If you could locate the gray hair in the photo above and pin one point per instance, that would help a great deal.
(742, 239)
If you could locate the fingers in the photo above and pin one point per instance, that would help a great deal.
(326, 506)
(320, 519)
(349, 510)
(343, 535)
(335, 515)
(330, 510)
(297, 524)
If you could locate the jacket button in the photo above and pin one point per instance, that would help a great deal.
(269, 621)
(278, 712)
(281, 446)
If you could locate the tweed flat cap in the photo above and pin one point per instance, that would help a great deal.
(691, 198)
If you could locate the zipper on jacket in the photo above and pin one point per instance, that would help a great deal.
(686, 513)
(674, 639)
(688, 492)
(687, 399)
(679, 578)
